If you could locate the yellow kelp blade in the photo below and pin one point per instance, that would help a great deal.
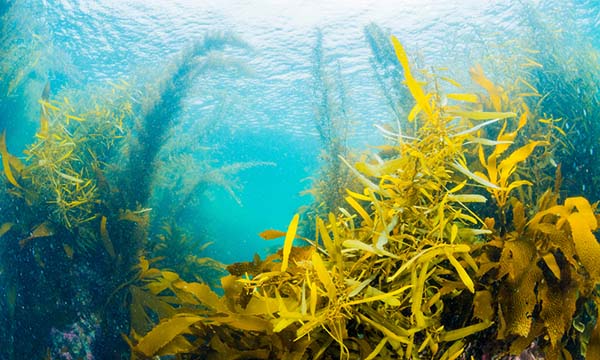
(411, 82)
(457, 334)
(462, 273)
(377, 349)
(164, 333)
(106, 239)
(473, 98)
(508, 165)
(475, 128)
(271, 234)
(586, 244)
(482, 181)
(584, 208)
(289, 240)
(479, 78)
(323, 275)
(483, 115)
(44, 229)
(5, 160)
(5, 228)
(359, 209)
(327, 242)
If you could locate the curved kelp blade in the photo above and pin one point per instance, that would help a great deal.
(289, 240)
(6, 160)
(166, 334)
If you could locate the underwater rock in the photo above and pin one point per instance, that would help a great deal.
(76, 341)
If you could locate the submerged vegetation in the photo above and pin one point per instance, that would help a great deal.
(456, 239)
(407, 268)
(83, 192)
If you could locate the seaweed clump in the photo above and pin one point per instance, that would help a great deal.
(407, 268)
(78, 215)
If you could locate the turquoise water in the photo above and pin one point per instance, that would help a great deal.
(255, 100)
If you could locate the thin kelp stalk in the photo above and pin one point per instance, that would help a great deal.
(388, 75)
(331, 123)
(161, 113)
(128, 223)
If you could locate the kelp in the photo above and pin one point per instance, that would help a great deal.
(331, 121)
(75, 194)
(385, 275)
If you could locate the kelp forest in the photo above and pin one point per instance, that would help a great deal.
(468, 232)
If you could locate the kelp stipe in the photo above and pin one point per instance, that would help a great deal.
(160, 114)
(331, 119)
(388, 75)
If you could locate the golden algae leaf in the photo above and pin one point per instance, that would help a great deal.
(454, 351)
(483, 115)
(517, 303)
(519, 219)
(552, 265)
(44, 229)
(482, 305)
(477, 177)
(472, 98)
(387, 297)
(243, 322)
(106, 239)
(358, 196)
(509, 137)
(165, 333)
(558, 306)
(480, 79)
(417, 294)
(584, 208)
(359, 245)
(586, 244)
(392, 331)
(427, 255)
(457, 334)
(178, 345)
(139, 217)
(289, 240)
(68, 250)
(5, 228)
(327, 242)
(323, 275)
(467, 198)
(377, 349)
(271, 234)
(141, 304)
(413, 85)
(508, 165)
(202, 292)
(359, 209)
(6, 161)
(227, 352)
(517, 258)
(460, 270)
